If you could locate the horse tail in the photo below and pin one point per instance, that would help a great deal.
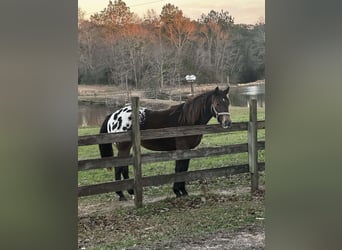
(106, 150)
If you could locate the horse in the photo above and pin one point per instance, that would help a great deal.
(195, 111)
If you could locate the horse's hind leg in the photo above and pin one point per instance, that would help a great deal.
(106, 150)
(179, 187)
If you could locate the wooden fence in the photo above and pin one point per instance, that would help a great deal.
(137, 159)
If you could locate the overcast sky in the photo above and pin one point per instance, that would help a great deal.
(243, 11)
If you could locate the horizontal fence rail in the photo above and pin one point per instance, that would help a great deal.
(166, 156)
(164, 133)
(165, 179)
(251, 147)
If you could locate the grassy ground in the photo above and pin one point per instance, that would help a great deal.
(215, 204)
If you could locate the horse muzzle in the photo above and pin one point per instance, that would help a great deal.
(226, 124)
(225, 121)
(223, 118)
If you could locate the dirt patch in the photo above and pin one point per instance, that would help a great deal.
(224, 220)
(250, 238)
(89, 209)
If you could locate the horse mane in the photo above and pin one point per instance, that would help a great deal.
(193, 110)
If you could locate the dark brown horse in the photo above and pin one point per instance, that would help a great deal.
(196, 111)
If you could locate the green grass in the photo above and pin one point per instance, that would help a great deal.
(169, 218)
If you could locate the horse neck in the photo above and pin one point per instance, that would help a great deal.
(207, 114)
(204, 115)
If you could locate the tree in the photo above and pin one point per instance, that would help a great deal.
(178, 31)
(246, 60)
(258, 50)
(87, 40)
(81, 15)
(214, 33)
(120, 49)
(177, 28)
(169, 13)
(115, 16)
(151, 18)
(116, 47)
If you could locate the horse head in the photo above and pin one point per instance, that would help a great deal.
(220, 107)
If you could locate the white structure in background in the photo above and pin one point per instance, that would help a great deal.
(191, 79)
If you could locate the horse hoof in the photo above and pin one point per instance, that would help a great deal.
(123, 198)
(184, 193)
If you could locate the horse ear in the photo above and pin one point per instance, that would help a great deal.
(226, 91)
(217, 90)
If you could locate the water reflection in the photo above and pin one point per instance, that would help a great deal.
(241, 95)
(92, 114)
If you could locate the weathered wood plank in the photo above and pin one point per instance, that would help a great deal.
(261, 145)
(252, 145)
(164, 133)
(194, 153)
(194, 175)
(165, 156)
(138, 191)
(105, 187)
(164, 179)
(104, 138)
(106, 162)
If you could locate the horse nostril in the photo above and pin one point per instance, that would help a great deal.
(226, 124)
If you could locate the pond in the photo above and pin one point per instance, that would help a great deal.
(240, 96)
(94, 114)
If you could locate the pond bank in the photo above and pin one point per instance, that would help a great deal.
(115, 96)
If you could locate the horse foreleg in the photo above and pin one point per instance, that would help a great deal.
(126, 176)
(179, 187)
(124, 150)
(118, 172)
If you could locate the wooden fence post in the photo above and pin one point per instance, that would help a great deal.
(252, 145)
(136, 153)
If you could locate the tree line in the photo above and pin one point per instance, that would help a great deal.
(117, 47)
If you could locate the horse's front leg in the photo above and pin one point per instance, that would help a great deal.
(179, 187)
(126, 176)
(118, 172)
(124, 150)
